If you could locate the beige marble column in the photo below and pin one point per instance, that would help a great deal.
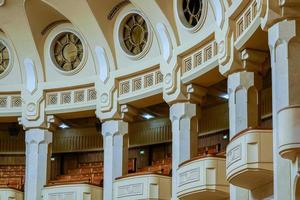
(244, 107)
(184, 118)
(115, 137)
(244, 92)
(38, 152)
(284, 43)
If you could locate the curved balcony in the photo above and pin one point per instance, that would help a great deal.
(72, 191)
(249, 160)
(202, 178)
(142, 186)
(7, 193)
(288, 131)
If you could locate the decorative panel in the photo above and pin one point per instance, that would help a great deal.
(148, 80)
(234, 154)
(130, 190)
(62, 196)
(189, 176)
(10, 103)
(71, 97)
(200, 57)
(246, 18)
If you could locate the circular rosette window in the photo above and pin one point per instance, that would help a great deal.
(134, 35)
(192, 13)
(67, 51)
(4, 58)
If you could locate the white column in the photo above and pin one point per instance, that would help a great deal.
(237, 193)
(284, 43)
(243, 88)
(184, 136)
(244, 92)
(38, 152)
(116, 144)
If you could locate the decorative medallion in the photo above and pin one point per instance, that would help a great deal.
(134, 34)
(192, 13)
(168, 78)
(104, 98)
(4, 57)
(67, 51)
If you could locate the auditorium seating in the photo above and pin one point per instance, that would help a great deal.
(12, 176)
(85, 173)
(213, 149)
(162, 166)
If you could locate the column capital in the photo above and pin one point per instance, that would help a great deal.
(244, 79)
(50, 123)
(196, 94)
(244, 91)
(114, 127)
(38, 136)
(183, 110)
(128, 112)
(253, 60)
(281, 33)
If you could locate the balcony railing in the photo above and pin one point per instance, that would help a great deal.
(250, 154)
(142, 186)
(72, 191)
(203, 178)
